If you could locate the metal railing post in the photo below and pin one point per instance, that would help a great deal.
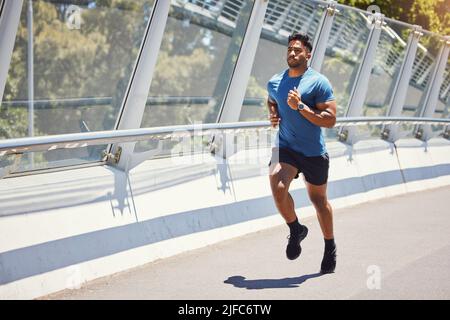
(234, 98)
(423, 132)
(321, 39)
(9, 23)
(360, 85)
(398, 98)
(235, 94)
(139, 85)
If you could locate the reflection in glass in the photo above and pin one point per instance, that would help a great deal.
(423, 67)
(389, 56)
(344, 52)
(444, 95)
(424, 64)
(444, 91)
(343, 56)
(198, 54)
(443, 103)
(84, 53)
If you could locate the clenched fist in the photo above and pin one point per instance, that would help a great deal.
(293, 99)
(274, 117)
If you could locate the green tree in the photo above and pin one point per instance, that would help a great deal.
(94, 61)
(432, 15)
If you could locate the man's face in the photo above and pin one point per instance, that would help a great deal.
(297, 54)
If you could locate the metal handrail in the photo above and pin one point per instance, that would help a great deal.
(79, 140)
(104, 101)
(405, 24)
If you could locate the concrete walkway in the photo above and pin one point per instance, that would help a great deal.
(396, 248)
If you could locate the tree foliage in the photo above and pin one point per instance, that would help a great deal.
(432, 15)
(95, 60)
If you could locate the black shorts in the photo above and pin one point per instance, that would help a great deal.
(315, 169)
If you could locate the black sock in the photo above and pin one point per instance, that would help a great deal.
(295, 227)
(329, 244)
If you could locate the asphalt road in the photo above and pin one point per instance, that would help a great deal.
(395, 248)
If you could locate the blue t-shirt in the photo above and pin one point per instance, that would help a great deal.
(296, 132)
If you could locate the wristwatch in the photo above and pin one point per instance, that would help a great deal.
(300, 106)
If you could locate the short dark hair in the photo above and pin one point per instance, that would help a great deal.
(303, 37)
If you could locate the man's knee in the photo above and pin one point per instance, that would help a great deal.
(281, 176)
(319, 201)
(280, 191)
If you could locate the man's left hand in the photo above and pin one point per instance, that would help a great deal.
(293, 99)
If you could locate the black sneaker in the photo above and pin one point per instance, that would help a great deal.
(293, 248)
(328, 262)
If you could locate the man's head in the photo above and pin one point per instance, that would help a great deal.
(299, 50)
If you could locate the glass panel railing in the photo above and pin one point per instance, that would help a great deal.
(443, 103)
(423, 67)
(201, 42)
(389, 56)
(83, 55)
(444, 91)
(282, 19)
(344, 54)
(343, 57)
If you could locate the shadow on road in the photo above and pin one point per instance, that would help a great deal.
(241, 282)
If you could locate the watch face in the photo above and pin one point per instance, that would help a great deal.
(300, 106)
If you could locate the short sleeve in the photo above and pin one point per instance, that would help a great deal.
(270, 93)
(324, 91)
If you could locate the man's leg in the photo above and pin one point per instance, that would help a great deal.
(318, 197)
(281, 175)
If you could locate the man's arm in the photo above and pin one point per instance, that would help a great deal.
(324, 116)
(273, 113)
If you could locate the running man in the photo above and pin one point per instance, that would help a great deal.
(301, 101)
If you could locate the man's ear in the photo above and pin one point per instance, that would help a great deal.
(308, 55)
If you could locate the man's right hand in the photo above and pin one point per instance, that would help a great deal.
(273, 114)
(274, 119)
